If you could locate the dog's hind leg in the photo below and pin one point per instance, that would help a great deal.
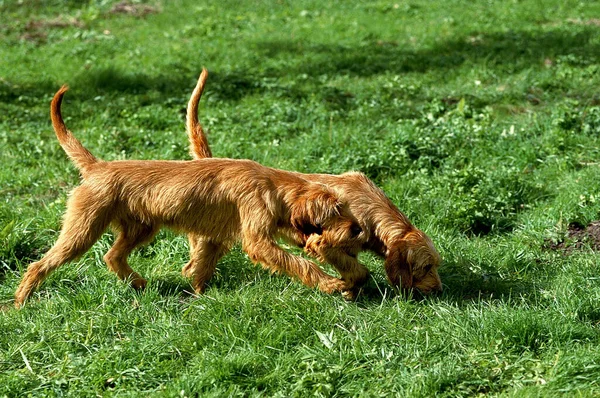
(203, 262)
(84, 223)
(130, 235)
(187, 268)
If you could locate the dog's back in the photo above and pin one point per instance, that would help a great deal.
(184, 195)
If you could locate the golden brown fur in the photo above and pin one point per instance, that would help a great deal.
(198, 142)
(411, 260)
(219, 201)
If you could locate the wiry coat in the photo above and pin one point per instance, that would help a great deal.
(219, 201)
(411, 260)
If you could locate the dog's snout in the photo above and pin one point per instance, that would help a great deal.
(430, 290)
(355, 230)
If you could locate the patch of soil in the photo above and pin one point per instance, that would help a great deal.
(36, 30)
(588, 22)
(578, 237)
(58, 22)
(6, 307)
(134, 9)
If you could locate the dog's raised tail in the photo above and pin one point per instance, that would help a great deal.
(198, 143)
(78, 154)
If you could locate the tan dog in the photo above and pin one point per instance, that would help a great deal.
(219, 201)
(411, 260)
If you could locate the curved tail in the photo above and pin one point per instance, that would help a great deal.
(81, 157)
(198, 143)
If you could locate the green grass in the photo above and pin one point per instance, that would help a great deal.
(481, 120)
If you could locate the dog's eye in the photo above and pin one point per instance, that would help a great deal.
(355, 230)
(428, 268)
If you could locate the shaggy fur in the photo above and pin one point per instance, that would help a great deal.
(219, 201)
(411, 260)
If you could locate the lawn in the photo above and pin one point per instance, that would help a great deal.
(480, 120)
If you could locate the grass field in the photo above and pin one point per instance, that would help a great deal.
(480, 120)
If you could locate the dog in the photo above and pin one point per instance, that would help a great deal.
(411, 260)
(219, 201)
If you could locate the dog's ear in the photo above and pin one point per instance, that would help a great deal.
(397, 267)
(311, 209)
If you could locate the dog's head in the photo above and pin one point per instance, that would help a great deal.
(319, 211)
(413, 262)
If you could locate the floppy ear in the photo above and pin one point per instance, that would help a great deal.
(311, 209)
(398, 269)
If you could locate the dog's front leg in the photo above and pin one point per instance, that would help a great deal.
(353, 273)
(264, 250)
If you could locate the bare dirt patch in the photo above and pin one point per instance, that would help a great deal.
(36, 30)
(578, 237)
(134, 9)
(588, 22)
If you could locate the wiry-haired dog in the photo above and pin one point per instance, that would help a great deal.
(411, 260)
(220, 201)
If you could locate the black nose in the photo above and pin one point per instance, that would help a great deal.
(355, 230)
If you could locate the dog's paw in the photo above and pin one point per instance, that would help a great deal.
(350, 295)
(332, 285)
(186, 271)
(137, 282)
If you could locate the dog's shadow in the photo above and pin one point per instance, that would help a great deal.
(466, 287)
(175, 285)
(171, 284)
(233, 272)
(461, 283)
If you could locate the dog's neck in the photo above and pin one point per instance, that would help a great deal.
(379, 215)
(390, 227)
